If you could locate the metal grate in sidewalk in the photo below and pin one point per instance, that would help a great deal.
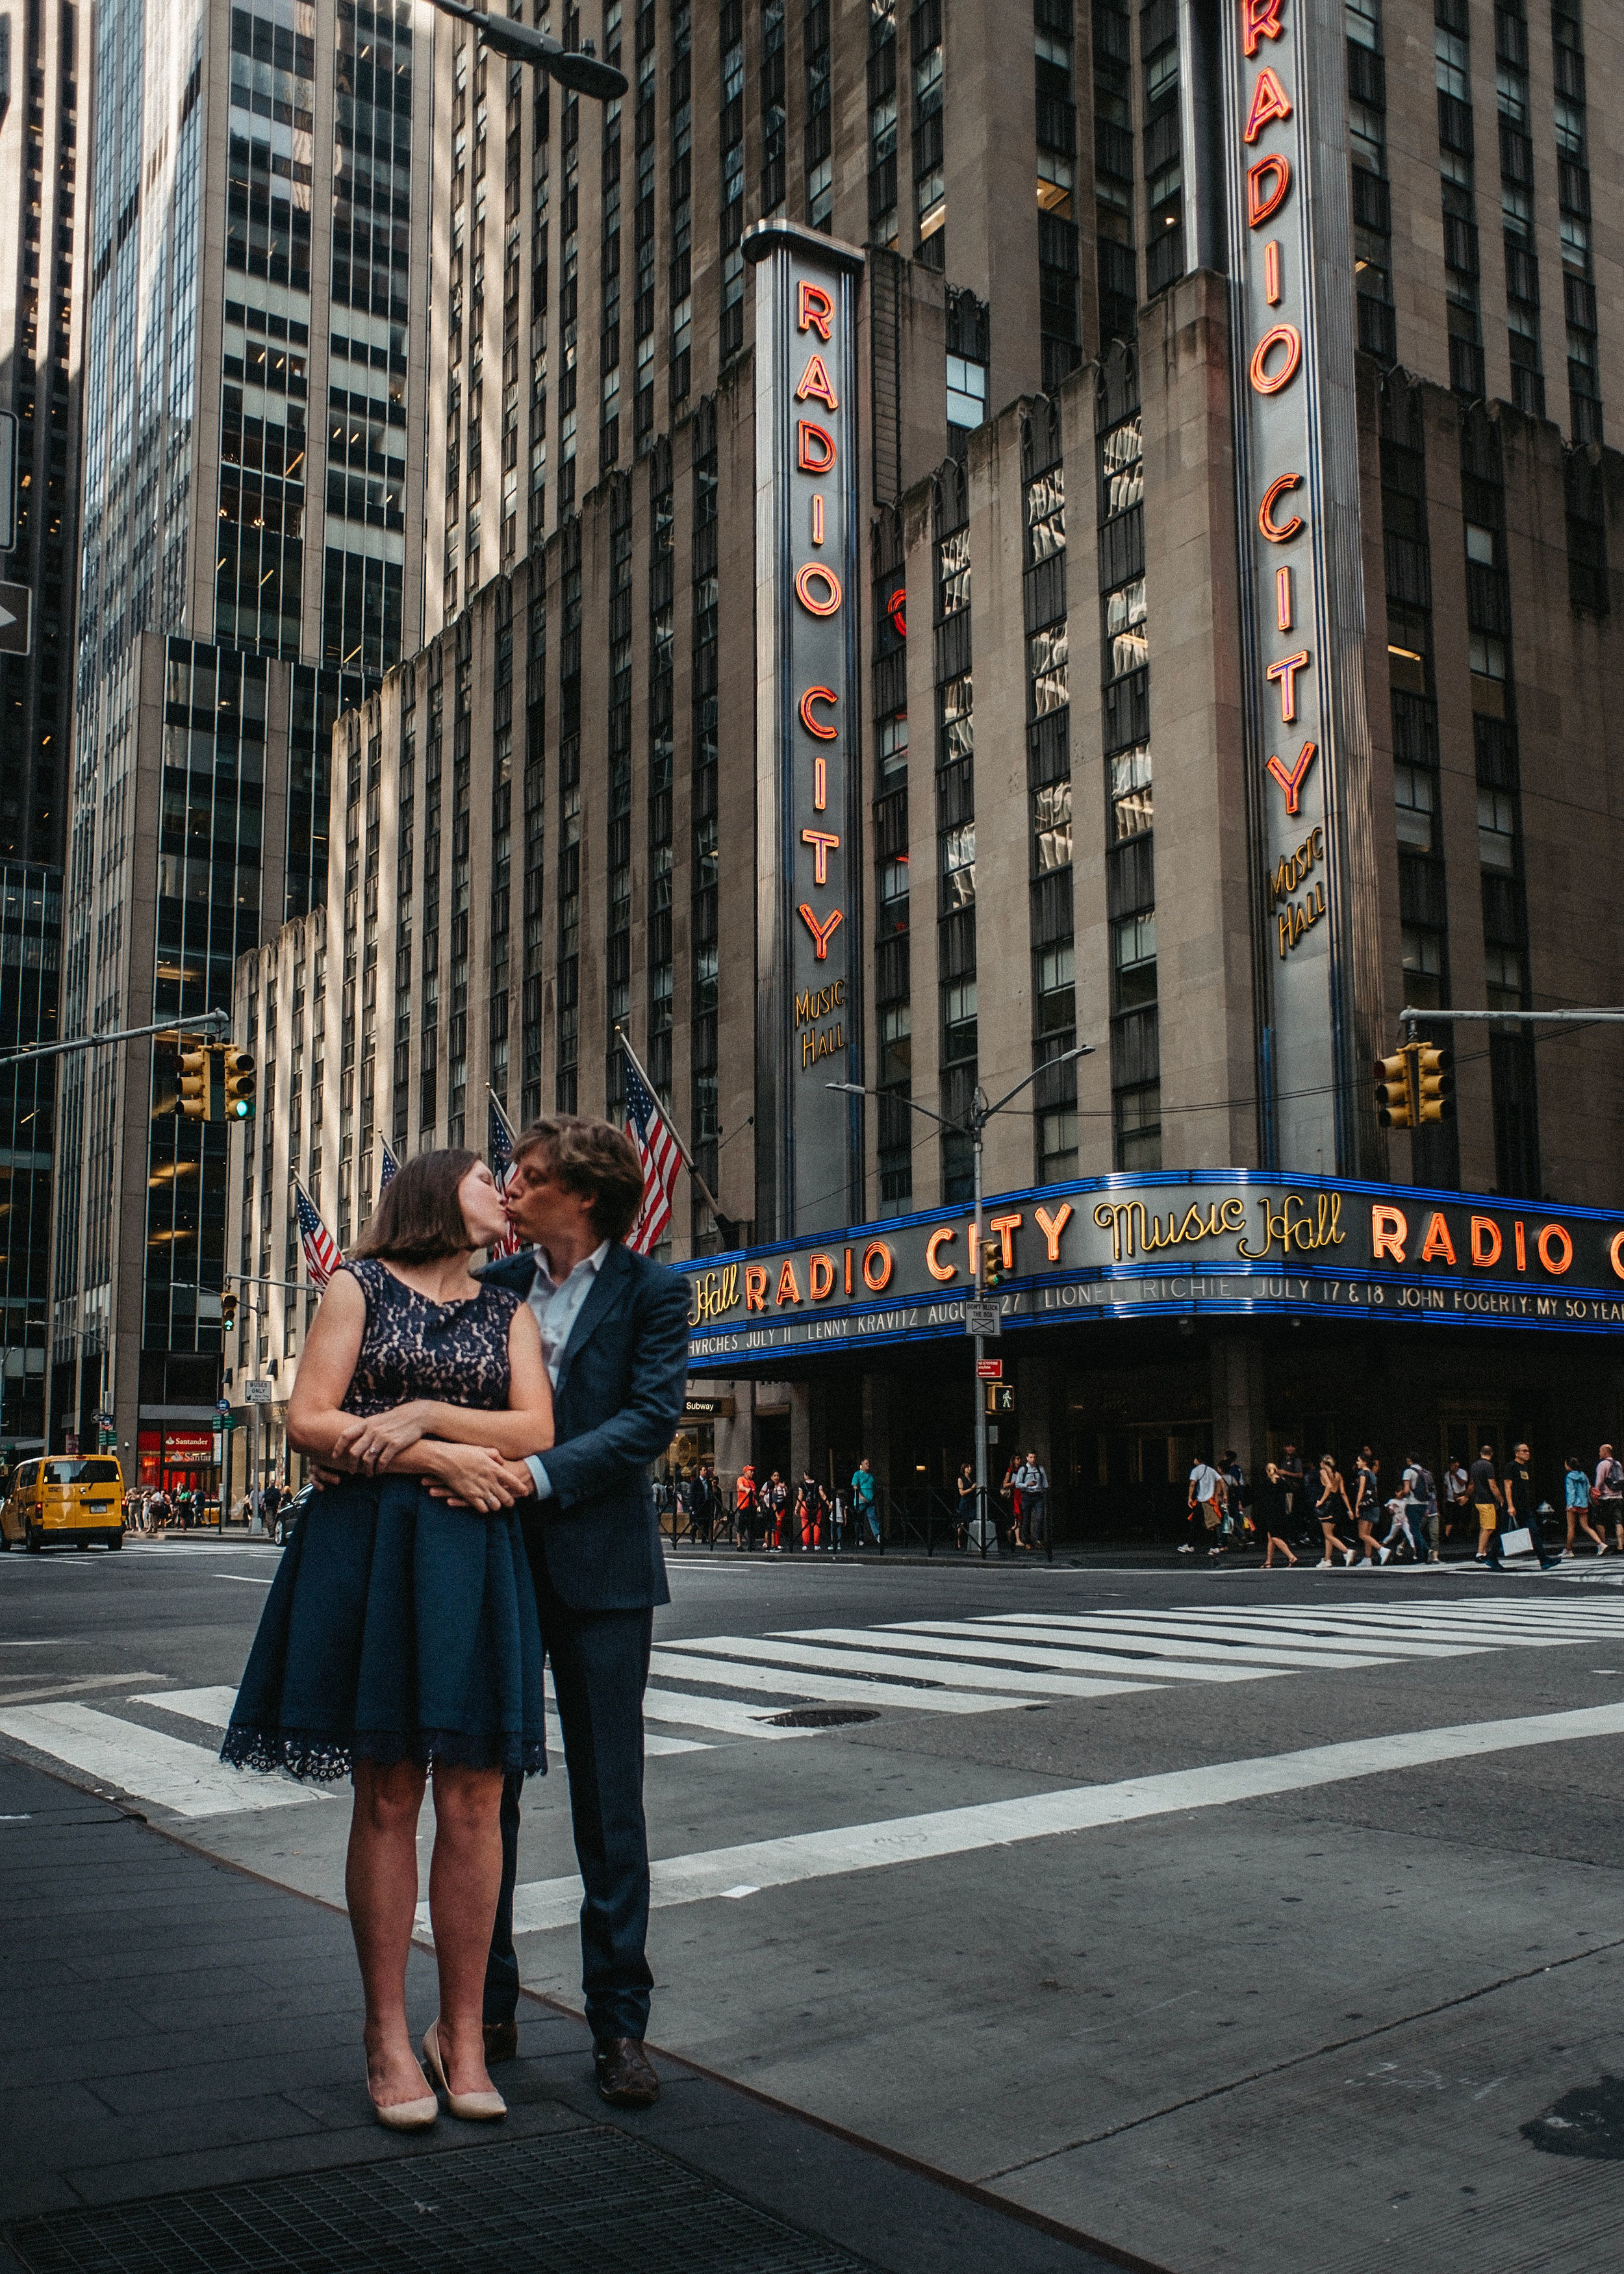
(589, 2202)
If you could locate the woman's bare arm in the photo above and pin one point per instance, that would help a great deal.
(383, 1441)
(319, 1427)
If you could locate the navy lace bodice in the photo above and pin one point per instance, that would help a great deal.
(457, 1353)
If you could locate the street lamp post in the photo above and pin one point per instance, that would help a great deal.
(973, 1127)
(578, 70)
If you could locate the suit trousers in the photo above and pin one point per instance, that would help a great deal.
(599, 1667)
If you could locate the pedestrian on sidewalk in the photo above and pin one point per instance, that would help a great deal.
(775, 1499)
(1236, 1502)
(1400, 1514)
(863, 1498)
(1330, 1490)
(1458, 1495)
(400, 1638)
(1488, 1502)
(1293, 1500)
(1576, 1490)
(1520, 1514)
(1033, 1481)
(812, 1504)
(1609, 1501)
(744, 1509)
(966, 1489)
(1207, 1506)
(1011, 1491)
(1272, 1515)
(1422, 1489)
(1367, 1503)
(705, 1502)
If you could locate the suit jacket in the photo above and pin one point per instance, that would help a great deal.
(616, 1404)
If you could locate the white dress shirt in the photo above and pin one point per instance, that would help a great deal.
(557, 1305)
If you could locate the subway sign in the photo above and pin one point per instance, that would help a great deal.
(809, 1159)
(1221, 1241)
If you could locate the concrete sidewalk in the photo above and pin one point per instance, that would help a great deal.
(182, 2086)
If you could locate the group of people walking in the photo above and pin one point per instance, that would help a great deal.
(1496, 1500)
(769, 1514)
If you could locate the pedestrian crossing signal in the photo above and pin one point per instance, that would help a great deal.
(1435, 1084)
(237, 1067)
(194, 1098)
(1395, 1105)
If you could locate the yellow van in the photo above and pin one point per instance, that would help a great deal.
(64, 1502)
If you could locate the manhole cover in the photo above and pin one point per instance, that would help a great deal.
(1588, 2121)
(821, 1717)
(591, 2202)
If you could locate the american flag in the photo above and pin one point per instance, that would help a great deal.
(499, 1141)
(660, 1156)
(388, 1166)
(322, 1255)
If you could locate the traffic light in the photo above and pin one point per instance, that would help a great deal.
(1395, 1104)
(238, 1069)
(1435, 1084)
(194, 1085)
(992, 1262)
(228, 1310)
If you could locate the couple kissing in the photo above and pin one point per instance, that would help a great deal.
(483, 1438)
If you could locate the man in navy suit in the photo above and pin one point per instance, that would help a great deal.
(615, 1332)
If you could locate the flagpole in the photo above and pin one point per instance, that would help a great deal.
(711, 1201)
(501, 1113)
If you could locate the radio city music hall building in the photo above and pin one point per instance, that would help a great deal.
(947, 554)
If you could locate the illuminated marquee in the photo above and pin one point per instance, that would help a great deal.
(808, 1138)
(1302, 611)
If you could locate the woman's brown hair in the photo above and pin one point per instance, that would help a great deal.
(419, 1218)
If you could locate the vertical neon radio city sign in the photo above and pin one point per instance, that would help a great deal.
(808, 788)
(1301, 604)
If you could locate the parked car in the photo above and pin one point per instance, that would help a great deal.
(284, 1524)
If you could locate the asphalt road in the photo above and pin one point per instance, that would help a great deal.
(1241, 1919)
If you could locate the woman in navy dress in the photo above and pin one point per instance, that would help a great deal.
(401, 1637)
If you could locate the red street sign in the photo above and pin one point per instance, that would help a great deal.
(989, 1369)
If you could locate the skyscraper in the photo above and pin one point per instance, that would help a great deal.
(253, 524)
(41, 225)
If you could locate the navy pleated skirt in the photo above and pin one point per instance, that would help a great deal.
(397, 1629)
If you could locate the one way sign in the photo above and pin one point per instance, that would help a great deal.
(16, 618)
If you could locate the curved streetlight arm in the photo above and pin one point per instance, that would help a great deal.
(521, 43)
(1083, 1051)
(860, 1089)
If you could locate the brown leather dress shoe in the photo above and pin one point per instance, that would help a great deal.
(625, 2079)
(501, 2042)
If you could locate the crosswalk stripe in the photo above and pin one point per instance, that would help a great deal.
(147, 1764)
(864, 1658)
(1447, 1632)
(730, 1717)
(654, 1746)
(969, 1639)
(906, 1654)
(759, 1864)
(213, 1708)
(71, 1688)
(1291, 1627)
(1221, 1641)
(1510, 1638)
(1143, 1642)
(824, 1688)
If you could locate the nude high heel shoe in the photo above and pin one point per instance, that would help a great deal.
(472, 2107)
(407, 2115)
